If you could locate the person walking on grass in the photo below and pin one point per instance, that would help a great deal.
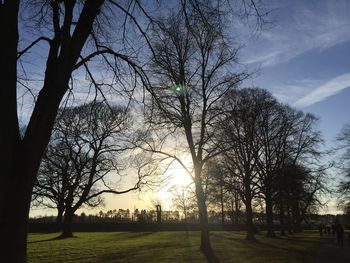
(339, 230)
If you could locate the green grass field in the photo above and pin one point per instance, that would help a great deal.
(183, 247)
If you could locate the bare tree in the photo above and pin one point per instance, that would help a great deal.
(236, 136)
(216, 191)
(272, 134)
(184, 199)
(280, 134)
(300, 148)
(82, 158)
(261, 136)
(192, 69)
(344, 166)
(302, 188)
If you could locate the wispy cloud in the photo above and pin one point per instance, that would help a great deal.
(329, 88)
(316, 26)
(289, 93)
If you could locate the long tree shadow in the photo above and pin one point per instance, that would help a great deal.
(211, 256)
(239, 239)
(50, 239)
(136, 234)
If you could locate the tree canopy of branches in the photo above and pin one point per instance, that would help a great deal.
(236, 136)
(344, 166)
(191, 70)
(262, 136)
(85, 149)
(184, 200)
(298, 189)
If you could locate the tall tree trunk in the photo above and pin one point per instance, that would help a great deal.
(289, 227)
(249, 220)
(14, 218)
(282, 226)
(67, 224)
(59, 218)
(248, 205)
(222, 204)
(18, 182)
(231, 212)
(295, 215)
(269, 214)
(20, 158)
(203, 214)
(236, 207)
(13, 189)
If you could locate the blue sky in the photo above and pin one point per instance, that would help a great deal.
(303, 59)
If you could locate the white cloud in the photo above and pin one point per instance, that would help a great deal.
(289, 93)
(301, 29)
(329, 88)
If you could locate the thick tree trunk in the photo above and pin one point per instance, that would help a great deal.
(269, 214)
(203, 214)
(59, 217)
(13, 189)
(18, 181)
(20, 158)
(14, 218)
(67, 224)
(249, 219)
(248, 206)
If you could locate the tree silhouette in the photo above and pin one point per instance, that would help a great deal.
(191, 71)
(343, 165)
(20, 158)
(236, 135)
(85, 149)
(184, 199)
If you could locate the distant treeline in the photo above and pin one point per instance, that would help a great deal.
(125, 219)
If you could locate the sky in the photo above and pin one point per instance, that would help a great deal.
(302, 57)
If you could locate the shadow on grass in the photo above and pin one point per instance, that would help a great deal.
(211, 257)
(139, 234)
(51, 239)
(239, 239)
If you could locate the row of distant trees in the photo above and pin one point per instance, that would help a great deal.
(144, 216)
(268, 158)
(343, 164)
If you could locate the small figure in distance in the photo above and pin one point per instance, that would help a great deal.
(340, 233)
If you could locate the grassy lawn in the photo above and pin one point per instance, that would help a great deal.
(183, 247)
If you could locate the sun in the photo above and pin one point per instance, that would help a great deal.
(177, 174)
(181, 178)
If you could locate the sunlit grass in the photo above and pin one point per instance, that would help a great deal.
(181, 247)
